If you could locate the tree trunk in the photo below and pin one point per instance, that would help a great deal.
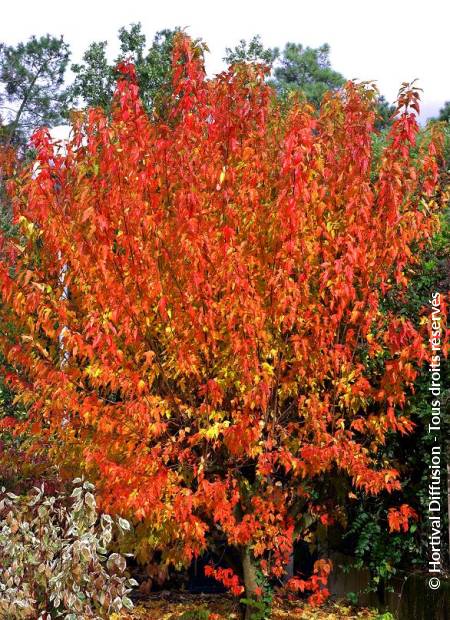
(15, 123)
(250, 582)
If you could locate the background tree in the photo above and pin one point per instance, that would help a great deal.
(308, 70)
(385, 112)
(253, 51)
(444, 112)
(95, 77)
(93, 85)
(31, 83)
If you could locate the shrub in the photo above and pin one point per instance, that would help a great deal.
(53, 556)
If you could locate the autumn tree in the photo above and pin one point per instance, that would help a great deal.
(197, 303)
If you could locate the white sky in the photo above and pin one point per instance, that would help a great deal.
(391, 41)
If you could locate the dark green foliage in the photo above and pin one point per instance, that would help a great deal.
(31, 83)
(385, 110)
(374, 547)
(95, 77)
(254, 51)
(446, 131)
(444, 112)
(308, 70)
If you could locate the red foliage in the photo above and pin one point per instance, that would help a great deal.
(227, 577)
(398, 519)
(315, 584)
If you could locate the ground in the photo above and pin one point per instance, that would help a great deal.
(177, 605)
